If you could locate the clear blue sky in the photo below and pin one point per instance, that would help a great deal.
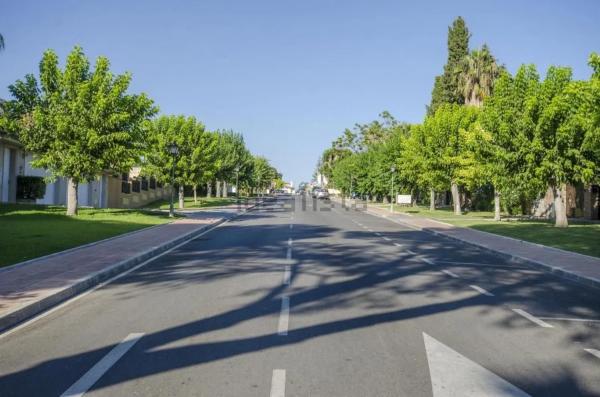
(291, 75)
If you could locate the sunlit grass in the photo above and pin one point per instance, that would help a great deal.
(578, 237)
(189, 203)
(29, 231)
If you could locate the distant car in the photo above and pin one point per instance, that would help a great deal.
(323, 194)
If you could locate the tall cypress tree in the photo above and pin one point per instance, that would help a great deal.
(445, 89)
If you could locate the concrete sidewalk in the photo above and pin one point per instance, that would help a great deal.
(29, 288)
(581, 268)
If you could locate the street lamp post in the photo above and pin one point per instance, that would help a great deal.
(237, 182)
(392, 170)
(173, 151)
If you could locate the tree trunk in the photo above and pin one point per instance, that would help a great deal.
(208, 189)
(72, 199)
(218, 184)
(455, 198)
(181, 197)
(496, 204)
(560, 205)
(195, 195)
(431, 199)
(224, 189)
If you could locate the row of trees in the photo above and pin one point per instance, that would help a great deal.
(80, 122)
(485, 130)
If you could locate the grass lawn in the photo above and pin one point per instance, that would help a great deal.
(29, 231)
(578, 237)
(203, 202)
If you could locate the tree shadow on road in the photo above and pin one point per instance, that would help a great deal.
(351, 269)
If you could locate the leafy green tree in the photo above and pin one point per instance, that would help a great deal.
(80, 122)
(232, 155)
(564, 144)
(197, 152)
(503, 143)
(263, 174)
(450, 160)
(420, 163)
(445, 89)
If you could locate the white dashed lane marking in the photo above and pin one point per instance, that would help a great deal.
(449, 273)
(284, 316)
(481, 290)
(278, 383)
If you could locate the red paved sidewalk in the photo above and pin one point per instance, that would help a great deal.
(37, 285)
(582, 268)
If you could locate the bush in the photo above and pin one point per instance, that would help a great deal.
(30, 187)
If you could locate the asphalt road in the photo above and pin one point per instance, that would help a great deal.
(315, 301)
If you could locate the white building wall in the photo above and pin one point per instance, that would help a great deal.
(51, 188)
(4, 172)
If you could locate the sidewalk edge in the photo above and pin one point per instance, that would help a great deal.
(558, 271)
(18, 316)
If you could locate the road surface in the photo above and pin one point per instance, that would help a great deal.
(315, 301)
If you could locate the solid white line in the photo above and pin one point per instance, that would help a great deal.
(449, 273)
(284, 316)
(290, 241)
(593, 352)
(288, 254)
(92, 376)
(371, 230)
(398, 245)
(278, 383)
(287, 275)
(411, 252)
(110, 280)
(581, 320)
(387, 238)
(533, 319)
(481, 290)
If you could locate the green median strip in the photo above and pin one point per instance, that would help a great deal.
(31, 231)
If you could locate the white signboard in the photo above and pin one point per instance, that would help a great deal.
(404, 199)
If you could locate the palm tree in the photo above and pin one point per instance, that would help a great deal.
(476, 75)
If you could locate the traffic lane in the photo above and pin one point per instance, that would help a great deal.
(536, 291)
(473, 323)
(81, 333)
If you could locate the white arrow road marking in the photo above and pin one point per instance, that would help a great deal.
(453, 374)
(92, 376)
(278, 383)
(593, 352)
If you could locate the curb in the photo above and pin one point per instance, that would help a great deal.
(557, 271)
(24, 313)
